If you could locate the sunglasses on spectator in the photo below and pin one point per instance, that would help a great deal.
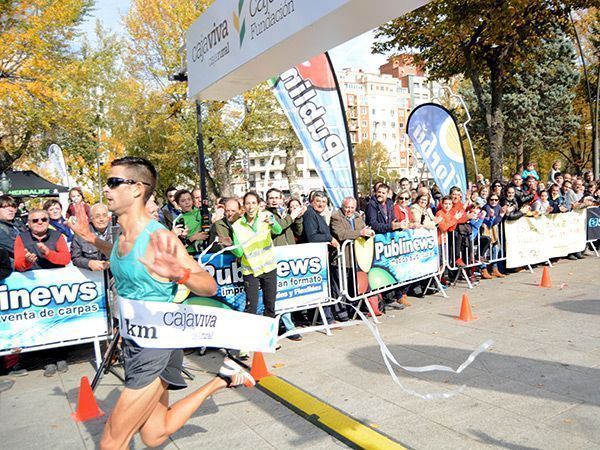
(114, 182)
(404, 198)
(493, 199)
(41, 219)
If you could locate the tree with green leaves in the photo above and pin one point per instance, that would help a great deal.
(483, 40)
(372, 161)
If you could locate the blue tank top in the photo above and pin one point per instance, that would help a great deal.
(132, 279)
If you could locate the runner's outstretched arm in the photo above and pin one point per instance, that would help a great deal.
(170, 260)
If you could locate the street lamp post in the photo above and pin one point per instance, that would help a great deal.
(375, 124)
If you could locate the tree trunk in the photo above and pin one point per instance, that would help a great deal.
(290, 171)
(496, 125)
(519, 148)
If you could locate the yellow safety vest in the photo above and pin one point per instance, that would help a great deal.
(259, 256)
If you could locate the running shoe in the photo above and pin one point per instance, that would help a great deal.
(234, 374)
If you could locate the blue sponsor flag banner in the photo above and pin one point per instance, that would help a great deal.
(593, 224)
(309, 96)
(302, 277)
(394, 258)
(42, 307)
(435, 136)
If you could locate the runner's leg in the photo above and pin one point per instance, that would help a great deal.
(132, 410)
(165, 420)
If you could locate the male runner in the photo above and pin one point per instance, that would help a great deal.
(147, 262)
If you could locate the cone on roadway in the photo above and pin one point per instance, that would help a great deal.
(259, 367)
(546, 282)
(465, 310)
(87, 408)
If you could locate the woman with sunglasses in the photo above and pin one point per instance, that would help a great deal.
(402, 211)
(494, 214)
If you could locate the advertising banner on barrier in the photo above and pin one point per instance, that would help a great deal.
(302, 277)
(434, 133)
(172, 325)
(42, 307)
(593, 224)
(532, 240)
(309, 96)
(398, 257)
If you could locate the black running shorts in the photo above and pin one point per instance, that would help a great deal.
(144, 365)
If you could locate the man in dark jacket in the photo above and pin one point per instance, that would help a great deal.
(380, 211)
(523, 196)
(9, 226)
(288, 222)
(317, 230)
(86, 255)
(170, 210)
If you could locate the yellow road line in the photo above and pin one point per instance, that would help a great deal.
(345, 427)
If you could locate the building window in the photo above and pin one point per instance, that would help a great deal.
(312, 174)
(373, 111)
(262, 162)
(364, 123)
(364, 135)
(384, 136)
(393, 124)
(392, 112)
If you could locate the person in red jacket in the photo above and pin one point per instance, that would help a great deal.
(402, 211)
(39, 247)
(451, 215)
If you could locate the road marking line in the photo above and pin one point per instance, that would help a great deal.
(332, 420)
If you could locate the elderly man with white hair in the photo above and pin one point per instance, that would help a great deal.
(86, 255)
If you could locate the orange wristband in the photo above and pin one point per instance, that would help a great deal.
(186, 276)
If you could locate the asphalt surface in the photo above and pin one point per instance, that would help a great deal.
(537, 387)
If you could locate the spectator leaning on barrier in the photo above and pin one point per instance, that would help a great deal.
(556, 200)
(57, 221)
(86, 255)
(542, 205)
(9, 226)
(380, 211)
(346, 225)
(222, 228)
(570, 199)
(422, 214)
(514, 210)
(521, 194)
(287, 222)
(494, 214)
(317, 230)
(40, 247)
(402, 212)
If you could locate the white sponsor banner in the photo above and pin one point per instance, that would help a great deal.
(237, 44)
(173, 325)
(532, 240)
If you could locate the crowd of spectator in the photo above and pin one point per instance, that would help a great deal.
(467, 222)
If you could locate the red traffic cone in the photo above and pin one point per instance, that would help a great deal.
(259, 367)
(465, 310)
(546, 282)
(87, 408)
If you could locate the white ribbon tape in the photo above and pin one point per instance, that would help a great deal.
(389, 359)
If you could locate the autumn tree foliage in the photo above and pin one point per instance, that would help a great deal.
(482, 40)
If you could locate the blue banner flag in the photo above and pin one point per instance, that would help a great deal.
(435, 136)
(309, 95)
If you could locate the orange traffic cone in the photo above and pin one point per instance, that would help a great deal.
(546, 282)
(465, 310)
(87, 408)
(259, 367)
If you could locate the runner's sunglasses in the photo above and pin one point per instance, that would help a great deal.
(114, 182)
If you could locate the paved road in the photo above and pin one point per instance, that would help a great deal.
(536, 388)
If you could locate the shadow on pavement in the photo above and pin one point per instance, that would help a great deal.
(487, 439)
(579, 306)
(534, 377)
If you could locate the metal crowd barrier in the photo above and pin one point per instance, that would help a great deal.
(347, 273)
(471, 253)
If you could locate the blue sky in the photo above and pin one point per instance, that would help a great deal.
(355, 53)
